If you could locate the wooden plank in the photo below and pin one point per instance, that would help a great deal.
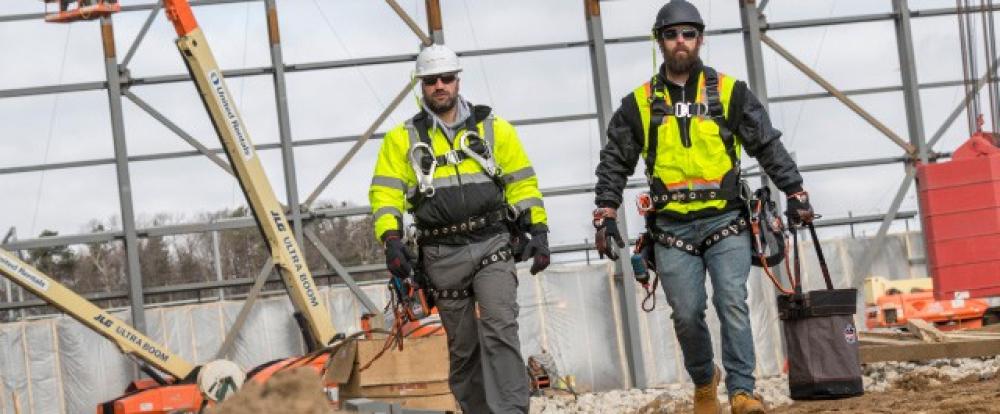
(925, 330)
(926, 351)
(883, 341)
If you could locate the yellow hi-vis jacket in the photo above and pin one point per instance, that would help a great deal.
(461, 191)
(692, 163)
(699, 167)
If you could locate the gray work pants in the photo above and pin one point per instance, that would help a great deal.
(487, 373)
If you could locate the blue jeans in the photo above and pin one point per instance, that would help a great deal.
(683, 279)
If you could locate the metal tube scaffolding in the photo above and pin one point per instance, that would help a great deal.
(752, 29)
(133, 273)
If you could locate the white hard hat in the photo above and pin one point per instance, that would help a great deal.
(435, 60)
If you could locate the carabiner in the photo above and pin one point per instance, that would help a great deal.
(486, 162)
(425, 181)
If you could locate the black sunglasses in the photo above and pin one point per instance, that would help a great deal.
(433, 80)
(671, 34)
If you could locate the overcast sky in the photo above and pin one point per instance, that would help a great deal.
(76, 126)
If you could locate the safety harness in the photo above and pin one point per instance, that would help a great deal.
(479, 149)
(731, 188)
(659, 195)
(659, 111)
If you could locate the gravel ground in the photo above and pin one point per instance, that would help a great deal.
(886, 385)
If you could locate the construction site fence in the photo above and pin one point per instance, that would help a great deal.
(572, 311)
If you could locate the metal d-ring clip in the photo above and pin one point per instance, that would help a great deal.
(425, 181)
(485, 161)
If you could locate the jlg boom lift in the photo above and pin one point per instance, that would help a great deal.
(216, 380)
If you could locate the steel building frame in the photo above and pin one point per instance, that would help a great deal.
(916, 147)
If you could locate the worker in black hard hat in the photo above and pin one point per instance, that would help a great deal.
(689, 124)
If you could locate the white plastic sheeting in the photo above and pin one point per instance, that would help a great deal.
(572, 311)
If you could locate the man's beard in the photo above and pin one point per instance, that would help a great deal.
(443, 107)
(676, 64)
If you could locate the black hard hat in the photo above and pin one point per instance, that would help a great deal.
(678, 12)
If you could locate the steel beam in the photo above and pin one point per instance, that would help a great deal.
(865, 91)
(635, 358)
(248, 222)
(839, 95)
(409, 22)
(142, 34)
(865, 265)
(201, 148)
(259, 147)
(284, 120)
(242, 282)
(344, 274)
(360, 142)
(241, 318)
(134, 275)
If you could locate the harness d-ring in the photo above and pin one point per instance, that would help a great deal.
(486, 162)
(425, 181)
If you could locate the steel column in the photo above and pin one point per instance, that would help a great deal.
(756, 77)
(284, 123)
(623, 268)
(434, 21)
(134, 274)
(908, 72)
(217, 262)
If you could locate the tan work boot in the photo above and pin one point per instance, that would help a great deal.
(744, 403)
(706, 397)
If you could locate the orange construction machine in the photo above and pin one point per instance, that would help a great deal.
(891, 304)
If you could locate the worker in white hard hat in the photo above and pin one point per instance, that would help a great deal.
(462, 174)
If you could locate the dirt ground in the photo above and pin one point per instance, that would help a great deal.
(914, 394)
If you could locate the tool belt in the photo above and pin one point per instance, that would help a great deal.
(470, 225)
(502, 255)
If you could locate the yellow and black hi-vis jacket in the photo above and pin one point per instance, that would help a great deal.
(691, 138)
(462, 190)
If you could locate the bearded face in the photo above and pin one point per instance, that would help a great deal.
(680, 46)
(440, 92)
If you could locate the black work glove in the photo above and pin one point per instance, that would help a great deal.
(607, 233)
(398, 259)
(538, 249)
(799, 210)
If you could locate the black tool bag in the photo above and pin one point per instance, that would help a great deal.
(821, 339)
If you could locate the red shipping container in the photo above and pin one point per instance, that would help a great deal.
(960, 209)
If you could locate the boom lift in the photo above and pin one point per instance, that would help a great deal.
(146, 396)
(183, 390)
